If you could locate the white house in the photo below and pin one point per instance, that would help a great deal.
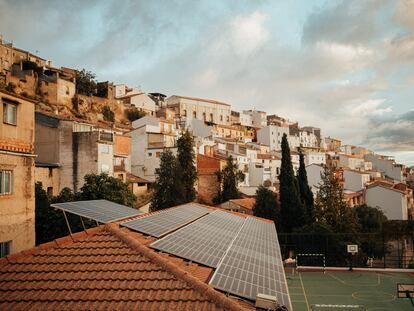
(314, 172)
(206, 110)
(246, 119)
(271, 135)
(355, 180)
(351, 161)
(314, 157)
(308, 139)
(387, 166)
(395, 202)
(258, 118)
(149, 138)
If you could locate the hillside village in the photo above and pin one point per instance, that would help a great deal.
(53, 133)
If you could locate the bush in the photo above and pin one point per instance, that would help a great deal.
(134, 114)
(10, 87)
(108, 114)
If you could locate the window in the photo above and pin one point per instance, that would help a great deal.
(211, 117)
(9, 113)
(204, 117)
(50, 191)
(5, 249)
(158, 154)
(221, 117)
(194, 114)
(150, 154)
(6, 182)
(185, 113)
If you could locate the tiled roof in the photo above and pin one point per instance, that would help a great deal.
(247, 203)
(106, 269)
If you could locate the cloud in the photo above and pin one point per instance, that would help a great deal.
(350, 71)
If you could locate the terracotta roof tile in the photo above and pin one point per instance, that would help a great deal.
(105, 269)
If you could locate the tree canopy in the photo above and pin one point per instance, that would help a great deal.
(266, 205)
(167, 191)
(229, 179)
(330, 205)
(186, 166)
(106, 187)
(86, 83)
(305, 191)
(291, 208)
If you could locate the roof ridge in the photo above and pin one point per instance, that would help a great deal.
(202, 288)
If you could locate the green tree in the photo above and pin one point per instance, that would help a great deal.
(108, 188)
(167, 191)
(291, 208)
(108, 114)
(371, 221)
(228, 178)
(134, 114)
(49, 222)
(305, 191)
(266, 205)
(186, 166)
(330, 205)
(86, 83)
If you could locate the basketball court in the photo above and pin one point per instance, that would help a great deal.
(355, 290)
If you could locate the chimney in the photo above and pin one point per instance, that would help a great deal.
(49, 63)
(1, 39)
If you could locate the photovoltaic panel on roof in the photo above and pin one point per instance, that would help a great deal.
(167, 220)
(102, 211)
(204, 241)
(253, 264)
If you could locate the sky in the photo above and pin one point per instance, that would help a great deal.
(344, 66)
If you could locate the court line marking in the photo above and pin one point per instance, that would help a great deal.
(304, 292)
(355, 283)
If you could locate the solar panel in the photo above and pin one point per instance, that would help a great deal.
(204, 241)
(167, 220)
(102, 211)
(253, 264)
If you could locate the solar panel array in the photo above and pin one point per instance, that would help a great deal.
(253, 264)
(99, 210)
(167, 220)
(204, 241)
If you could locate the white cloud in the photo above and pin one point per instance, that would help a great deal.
(371, 107)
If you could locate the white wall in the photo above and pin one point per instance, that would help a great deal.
(391, 202)
(271, 135)
(144, 102)
(314, 176)
(387, 166)
(355, 181)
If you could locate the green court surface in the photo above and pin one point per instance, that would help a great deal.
(376, 291)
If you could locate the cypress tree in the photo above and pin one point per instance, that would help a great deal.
(266, 205)
(167, 192)
(229, 177)
(187, 169)
(291, 209)
(305, 191)
(330, 205)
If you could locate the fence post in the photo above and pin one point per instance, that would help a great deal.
(384, 248)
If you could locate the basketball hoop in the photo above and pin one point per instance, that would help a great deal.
(353, 250)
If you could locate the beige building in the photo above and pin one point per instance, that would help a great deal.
(206, 110)
(17, 212)
(49, 175)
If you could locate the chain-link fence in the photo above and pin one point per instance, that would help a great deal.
(376, 250)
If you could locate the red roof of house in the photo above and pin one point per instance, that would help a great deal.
(247, 203)
(106, 268)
